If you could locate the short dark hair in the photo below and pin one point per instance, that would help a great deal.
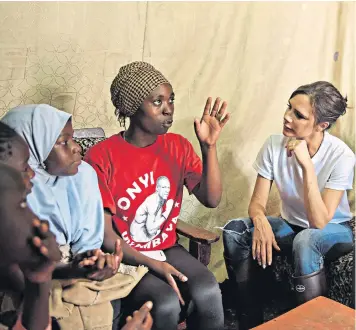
(7, 134)
(326, 100)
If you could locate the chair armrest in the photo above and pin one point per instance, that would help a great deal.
(197, 234)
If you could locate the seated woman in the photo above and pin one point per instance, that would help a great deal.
(34, 252)
(141, 172)
(65, 191)
(312, 171)
(34, 282)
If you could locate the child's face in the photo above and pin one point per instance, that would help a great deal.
(19, 161)
(16, 222)
(65, 158)
(155, 115)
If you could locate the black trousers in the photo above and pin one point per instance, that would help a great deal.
(203, 308)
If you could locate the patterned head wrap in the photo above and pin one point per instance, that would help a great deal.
(134, 82)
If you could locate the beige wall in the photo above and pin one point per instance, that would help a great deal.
(251, 54)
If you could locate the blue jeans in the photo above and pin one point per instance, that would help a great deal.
(309, 247)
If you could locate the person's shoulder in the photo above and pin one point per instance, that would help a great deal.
(112, 140)
(277, 138)
(339, 147)
(170, 137)
(104, 149)
(85, 169)
(275, 141)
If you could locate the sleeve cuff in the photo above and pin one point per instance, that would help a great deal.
(336, 186)
(262, 172)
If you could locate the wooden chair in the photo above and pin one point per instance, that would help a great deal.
(200, 239)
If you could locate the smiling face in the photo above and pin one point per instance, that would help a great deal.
(299, 118)
(155, 115)
(65, 158)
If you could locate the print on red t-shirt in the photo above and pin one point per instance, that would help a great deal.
(143, 187)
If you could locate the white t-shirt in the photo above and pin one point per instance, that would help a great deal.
(334, 167)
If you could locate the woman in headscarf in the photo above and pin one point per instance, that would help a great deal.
(65, 192)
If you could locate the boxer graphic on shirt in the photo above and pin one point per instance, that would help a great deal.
(152, 213)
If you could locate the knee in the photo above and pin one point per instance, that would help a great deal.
(206, 292)
(234, 235)
(166, 307)
(306, 240)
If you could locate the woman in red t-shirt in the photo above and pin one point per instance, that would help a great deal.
(141, 172)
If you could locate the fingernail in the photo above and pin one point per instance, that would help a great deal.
(149, 304)
(270, 263)
(185, 279)
(254, 258)
(264, 266)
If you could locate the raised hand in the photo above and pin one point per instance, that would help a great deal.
(141, 319)
(211, 123)
(44, 241)
(45, 245)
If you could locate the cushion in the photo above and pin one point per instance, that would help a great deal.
(86, 143)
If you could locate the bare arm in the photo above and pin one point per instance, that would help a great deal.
(208, 130)
(320, 207)
(209, 190)
(36, 308)
(257, 207)
(67, 271)
(263, 238)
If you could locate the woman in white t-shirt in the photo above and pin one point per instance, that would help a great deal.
(312, 171)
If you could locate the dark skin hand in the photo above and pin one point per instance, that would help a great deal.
(93, 264)
(44, 243)
(141, 319)
(38, 277)
(133, 257)
(100, 265)
(208, 129)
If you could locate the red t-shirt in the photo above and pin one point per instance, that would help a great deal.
(143, 187)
